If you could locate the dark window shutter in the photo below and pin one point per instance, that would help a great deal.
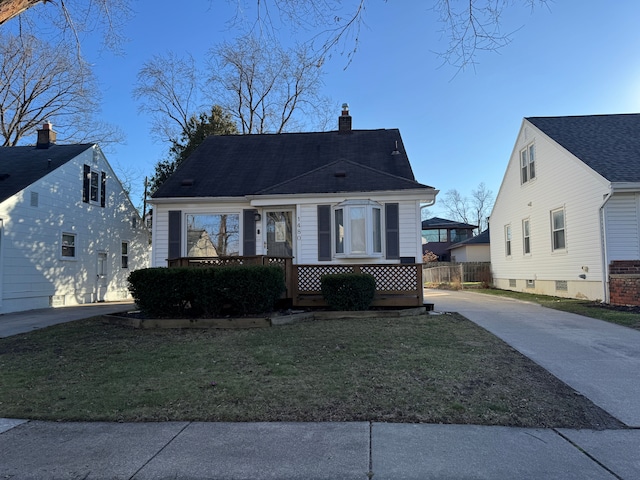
(324, 232)
(392, 232)
(103, 189)
(248, 232)
(86, 181)
(175, 233)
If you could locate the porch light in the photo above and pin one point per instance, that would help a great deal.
(257, 217)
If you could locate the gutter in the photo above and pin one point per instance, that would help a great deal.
(605, 260)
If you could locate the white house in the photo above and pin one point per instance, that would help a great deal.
(69, 233)
(343, 197)
(568, 205)
(474, 249)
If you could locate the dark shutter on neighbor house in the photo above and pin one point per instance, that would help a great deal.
(324, 232)
(103, 189)
(175, 233)
(392, 231)
(86, 183)
(248, 232)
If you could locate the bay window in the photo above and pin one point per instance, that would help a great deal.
(358, 228)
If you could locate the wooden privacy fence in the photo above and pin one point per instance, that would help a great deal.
(453, 272)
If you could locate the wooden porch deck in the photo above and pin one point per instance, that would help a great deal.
(397, 285)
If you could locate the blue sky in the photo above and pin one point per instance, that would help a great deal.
(575, 57)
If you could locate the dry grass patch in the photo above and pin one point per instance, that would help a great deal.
(437, 369)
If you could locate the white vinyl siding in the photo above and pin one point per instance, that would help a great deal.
(622, 226)
(581, 199)
(305, 228)
(34, 273)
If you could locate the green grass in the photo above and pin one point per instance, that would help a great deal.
(440, 369)
(627, 316)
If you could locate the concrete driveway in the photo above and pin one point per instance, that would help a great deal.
(598, 359)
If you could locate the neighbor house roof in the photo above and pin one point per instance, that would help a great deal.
(22, 166)
(480, 239)
(293, 163)
(436, 222)
(609, 144)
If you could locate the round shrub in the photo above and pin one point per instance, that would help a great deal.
(348, 291)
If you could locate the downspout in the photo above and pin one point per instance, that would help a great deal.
(605, 259)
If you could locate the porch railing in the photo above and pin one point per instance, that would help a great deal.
(397, 285)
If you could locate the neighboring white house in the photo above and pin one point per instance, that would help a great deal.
(69, 233)
(327, 198)
(474, 249)
(568, 206)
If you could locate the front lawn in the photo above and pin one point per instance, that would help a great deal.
(436, 368)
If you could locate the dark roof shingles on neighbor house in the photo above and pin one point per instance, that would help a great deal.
(293, 163)
(22, 166)
(609, 144)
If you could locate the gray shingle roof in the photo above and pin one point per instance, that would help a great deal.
(293, 163)
(22, 166)
(437, 222)
(483, 238)
(609, 144)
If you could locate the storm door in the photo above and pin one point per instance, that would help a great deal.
(279, 228)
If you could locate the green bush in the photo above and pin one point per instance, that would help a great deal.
(206, 292)
(348, 291)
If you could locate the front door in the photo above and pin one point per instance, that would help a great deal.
(101, 278)
(279, 233)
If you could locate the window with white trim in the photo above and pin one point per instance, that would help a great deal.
(526, 237)
(507, 240)
(558, 234)
(527, 164)
(124, 254)
(213, 234)
(357, 228)
(94, 188)
(68, 250)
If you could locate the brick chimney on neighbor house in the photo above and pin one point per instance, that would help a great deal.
(46, 136)
(344, 120)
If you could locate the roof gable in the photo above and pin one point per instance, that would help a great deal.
(23, 166)
(608, 144)
(293, 163)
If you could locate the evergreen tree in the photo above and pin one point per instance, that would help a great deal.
(196, 130)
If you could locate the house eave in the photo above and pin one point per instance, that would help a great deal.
(186, 200)
(625, 187)
(424, 195)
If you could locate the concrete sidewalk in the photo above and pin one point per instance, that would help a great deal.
(360, 450)
(598, 359)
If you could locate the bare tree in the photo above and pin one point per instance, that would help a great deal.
(268, 88)
(41, 82)
(169, 89)
(470, 26)
(473, 210)
(70, 19)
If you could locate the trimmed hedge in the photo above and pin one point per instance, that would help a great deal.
(206, 292)
(348, 291)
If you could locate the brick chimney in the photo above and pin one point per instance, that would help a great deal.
(344, 120)
(46, 136)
